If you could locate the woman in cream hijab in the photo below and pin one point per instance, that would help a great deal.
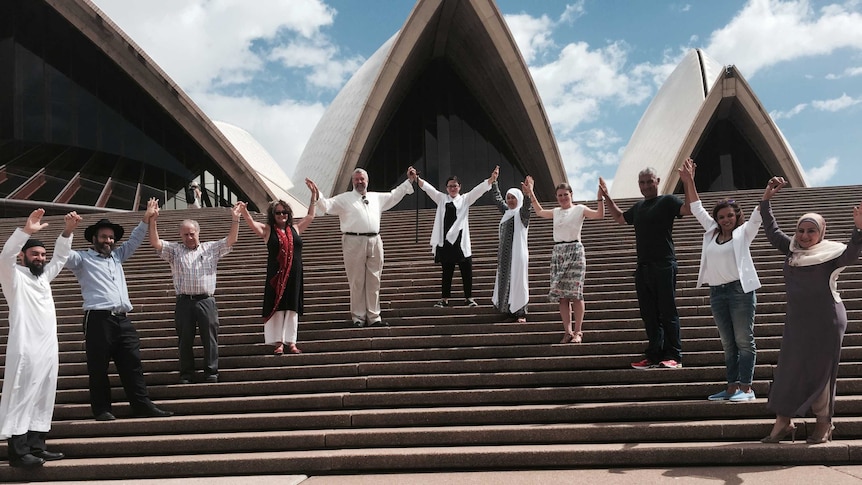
(815, 322)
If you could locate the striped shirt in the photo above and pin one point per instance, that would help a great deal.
(194, 270)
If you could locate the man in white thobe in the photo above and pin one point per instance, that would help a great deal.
(32, 359)
(359, 213)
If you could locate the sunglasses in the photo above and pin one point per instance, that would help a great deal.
(280, 213)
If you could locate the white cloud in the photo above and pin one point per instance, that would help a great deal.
(768, 32)
(326, 69)
(836, 104)
(849, 72)
(209, 43)
(283, 129)
(575, 83)
(531, 34)
(779, 115)
(819, 176)
(573, 12)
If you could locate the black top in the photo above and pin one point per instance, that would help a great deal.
(653, 221)
(293, 292)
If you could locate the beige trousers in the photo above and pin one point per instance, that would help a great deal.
(363, 262)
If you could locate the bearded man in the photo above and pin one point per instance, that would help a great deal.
(32, 360)
(108, 332)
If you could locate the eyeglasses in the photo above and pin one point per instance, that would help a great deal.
(451, 186)
(280, 213)
(364, 200)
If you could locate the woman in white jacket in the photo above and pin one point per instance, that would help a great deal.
(729, 271)
(450, 237)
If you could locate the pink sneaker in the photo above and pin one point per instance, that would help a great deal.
(670, 364)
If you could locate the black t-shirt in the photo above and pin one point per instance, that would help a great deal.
(653, 221)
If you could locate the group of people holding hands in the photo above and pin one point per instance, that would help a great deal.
(808, 360)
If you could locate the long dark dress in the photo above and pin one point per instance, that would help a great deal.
(504, 252)
(293, 292)
(813, 327)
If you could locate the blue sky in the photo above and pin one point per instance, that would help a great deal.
(273, 66)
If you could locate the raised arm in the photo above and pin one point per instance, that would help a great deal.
(309, 216)
(13, 245)
(155, 241)
(256, 227)
(71, 220)
(233, 234)
(528, 187)
(616, 213)
(776, 237)
(599, 212)
(686, 174)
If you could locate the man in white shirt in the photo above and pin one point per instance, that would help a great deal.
(32, 355)
(359, 214)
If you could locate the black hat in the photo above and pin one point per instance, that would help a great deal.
(91, 231)
(31, 243)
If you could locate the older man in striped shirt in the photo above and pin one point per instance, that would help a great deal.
(193, 266)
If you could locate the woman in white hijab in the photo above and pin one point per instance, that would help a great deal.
(815, 322)
(511, 287)
(450, 236)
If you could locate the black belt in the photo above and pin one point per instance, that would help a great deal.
(567, 242)
(366, 234)
(110, 312)
(202, 296)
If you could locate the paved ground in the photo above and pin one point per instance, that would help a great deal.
(837, 475)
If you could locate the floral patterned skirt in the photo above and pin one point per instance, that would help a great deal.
(568, 265)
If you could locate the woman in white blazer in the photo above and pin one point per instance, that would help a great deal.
(726, 266)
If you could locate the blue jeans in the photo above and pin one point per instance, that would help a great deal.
(733, 310)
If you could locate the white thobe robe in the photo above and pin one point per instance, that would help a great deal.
(32, 360)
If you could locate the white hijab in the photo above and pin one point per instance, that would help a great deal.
(519, 291)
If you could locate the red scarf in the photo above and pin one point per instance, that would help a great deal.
(285, 261)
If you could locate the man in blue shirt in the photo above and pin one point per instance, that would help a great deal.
(108, 332)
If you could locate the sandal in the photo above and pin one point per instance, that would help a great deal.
(522, 320)
(293, 349)
(279, 349)
(579, 336)
(567, 338)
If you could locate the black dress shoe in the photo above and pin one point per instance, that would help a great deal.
(26, 461)
(48, 455)
(358, 323)
(152, 412)
(106, 416)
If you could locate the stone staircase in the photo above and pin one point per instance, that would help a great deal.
(440, 389)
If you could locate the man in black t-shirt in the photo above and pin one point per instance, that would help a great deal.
(655, 277)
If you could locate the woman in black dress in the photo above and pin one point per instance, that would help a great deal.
(283, 289)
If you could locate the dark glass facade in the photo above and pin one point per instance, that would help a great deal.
(77, 129)
(724, 140)
(441, 130)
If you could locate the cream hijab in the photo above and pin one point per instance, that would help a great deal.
(819, 253)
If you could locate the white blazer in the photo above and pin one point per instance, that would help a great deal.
(742, 238)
